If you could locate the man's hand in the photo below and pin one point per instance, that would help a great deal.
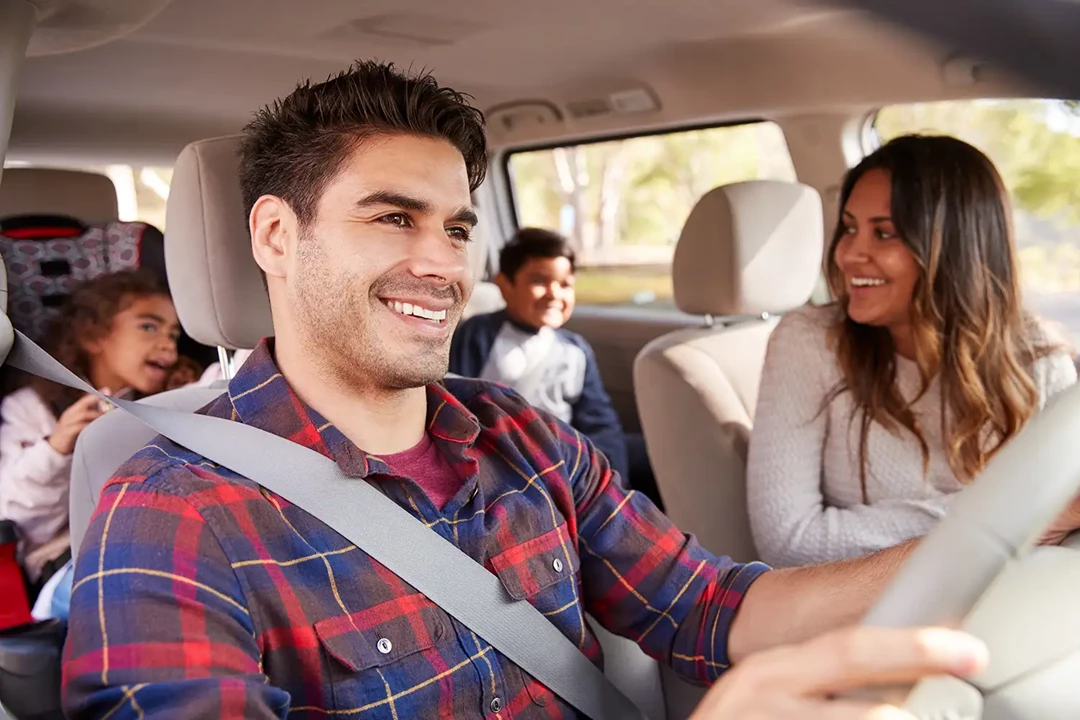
(799, 682)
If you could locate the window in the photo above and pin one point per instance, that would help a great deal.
(1035, 145)
(141, 192)
(623, 203)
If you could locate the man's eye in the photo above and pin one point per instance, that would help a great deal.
(397, 219)
(148, 327)
(459, 233)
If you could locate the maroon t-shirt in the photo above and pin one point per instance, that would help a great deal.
(426, 466)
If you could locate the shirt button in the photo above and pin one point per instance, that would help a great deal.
(496, 705)
(385, 646)
(557, 565)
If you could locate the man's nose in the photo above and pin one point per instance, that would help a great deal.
(437, 257)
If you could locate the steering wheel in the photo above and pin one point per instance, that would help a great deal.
(980, 570)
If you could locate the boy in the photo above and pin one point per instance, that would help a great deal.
(524, 346)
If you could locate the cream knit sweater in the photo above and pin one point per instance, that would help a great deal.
(804, 493)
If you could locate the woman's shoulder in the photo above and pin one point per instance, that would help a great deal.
(1054, 368)
(802, 336)
(809, 323)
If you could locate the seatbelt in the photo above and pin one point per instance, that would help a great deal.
(385, 531)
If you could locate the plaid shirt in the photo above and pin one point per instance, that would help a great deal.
(198, 594)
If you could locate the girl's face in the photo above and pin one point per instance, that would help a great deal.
(139, 349)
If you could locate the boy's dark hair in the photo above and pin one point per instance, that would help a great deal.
(296, 145)
(529, 243)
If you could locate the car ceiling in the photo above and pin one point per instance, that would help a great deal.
(135, 80)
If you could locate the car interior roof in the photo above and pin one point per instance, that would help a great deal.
(135, 80)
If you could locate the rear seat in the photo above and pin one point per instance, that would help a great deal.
(221, 300)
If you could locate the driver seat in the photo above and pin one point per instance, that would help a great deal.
(748, 251)
(221, 300)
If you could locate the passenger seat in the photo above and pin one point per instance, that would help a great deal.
(748, 252)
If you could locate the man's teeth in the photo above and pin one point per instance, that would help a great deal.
(417, 311)
(867, 282)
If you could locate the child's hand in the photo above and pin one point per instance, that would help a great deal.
(72, 422)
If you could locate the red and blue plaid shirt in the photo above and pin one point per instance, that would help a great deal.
(198, 594)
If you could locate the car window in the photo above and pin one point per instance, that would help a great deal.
(623, 202)
(1035, 145)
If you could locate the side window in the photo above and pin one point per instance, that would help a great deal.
(141, 191)
(1035, 145)
(623, 202)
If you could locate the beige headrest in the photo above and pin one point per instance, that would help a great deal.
(216, 285)
(86, 196)
(750, 248)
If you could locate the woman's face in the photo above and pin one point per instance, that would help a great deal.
(879, 270)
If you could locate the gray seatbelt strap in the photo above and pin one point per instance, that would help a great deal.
(377, 525)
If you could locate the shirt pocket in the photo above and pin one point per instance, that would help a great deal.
(387, 651)
(544, 572)
(529, 569)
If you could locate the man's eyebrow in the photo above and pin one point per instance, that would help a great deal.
(405, 202)
(467, 216)
(152, 316)
(395, 199)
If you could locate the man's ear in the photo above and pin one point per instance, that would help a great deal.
(273, 228)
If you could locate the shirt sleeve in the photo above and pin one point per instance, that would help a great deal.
(34, 477)
(643, 579)
(790, 520)
(595, 416)
(159, 626)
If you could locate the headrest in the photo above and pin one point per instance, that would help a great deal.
(750, 248)
(216, 284)
(86, 196)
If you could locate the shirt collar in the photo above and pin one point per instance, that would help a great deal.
(261, 397)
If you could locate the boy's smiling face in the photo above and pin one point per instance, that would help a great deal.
(541, 293)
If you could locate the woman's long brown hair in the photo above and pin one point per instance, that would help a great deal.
(87, 315)
(951, 209)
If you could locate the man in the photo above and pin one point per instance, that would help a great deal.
(525, 346)
(198, 594)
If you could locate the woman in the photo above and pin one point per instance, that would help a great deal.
(876, 410)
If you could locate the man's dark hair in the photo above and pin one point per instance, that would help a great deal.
(529, 243)
(295, 146)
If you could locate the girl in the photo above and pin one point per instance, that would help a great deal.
(875, 411)
(117, 331)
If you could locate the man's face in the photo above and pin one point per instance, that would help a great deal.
(381, 276)
(541, 293)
